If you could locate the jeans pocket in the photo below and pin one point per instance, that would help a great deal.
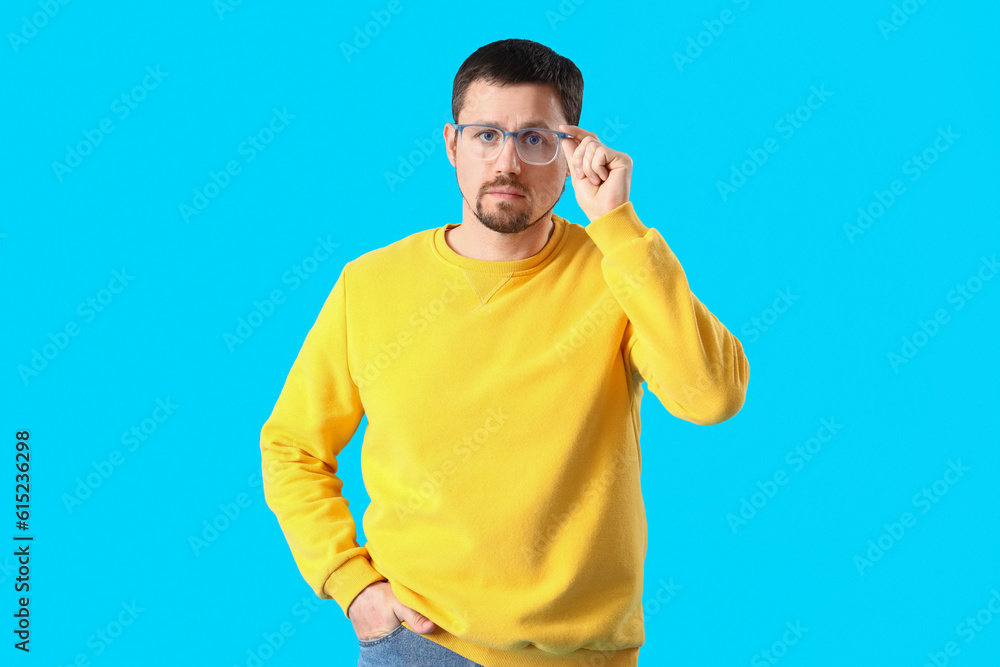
(365, 643)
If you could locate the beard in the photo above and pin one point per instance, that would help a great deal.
(507, 217)
(510, 216)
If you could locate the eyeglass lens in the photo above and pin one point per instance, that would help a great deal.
(483, 142)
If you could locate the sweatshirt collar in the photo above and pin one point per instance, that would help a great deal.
(518, 266)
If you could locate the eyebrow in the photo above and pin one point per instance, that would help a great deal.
(535, 122)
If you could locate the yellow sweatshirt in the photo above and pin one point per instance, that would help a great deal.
(502, 448)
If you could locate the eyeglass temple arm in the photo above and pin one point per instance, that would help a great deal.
(561, 135)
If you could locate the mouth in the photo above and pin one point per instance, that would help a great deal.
(506, 194)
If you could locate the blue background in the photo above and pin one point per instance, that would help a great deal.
(380, 110)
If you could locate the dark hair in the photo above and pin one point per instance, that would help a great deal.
(521, 61)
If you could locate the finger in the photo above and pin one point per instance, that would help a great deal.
(574, 142)
(420, 623)
(569, 160)
(589, 158)
(578, 132)
(599, 163)
(569, 147)
(579, 163)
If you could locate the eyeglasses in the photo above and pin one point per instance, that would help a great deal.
(534, 145)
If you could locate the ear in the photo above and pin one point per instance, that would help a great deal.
(449, 134)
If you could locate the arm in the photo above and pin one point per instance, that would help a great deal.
(690, 361)
(316, 415)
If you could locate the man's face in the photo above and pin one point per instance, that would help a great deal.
(512, 107)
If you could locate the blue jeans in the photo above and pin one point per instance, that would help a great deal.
(405, 648)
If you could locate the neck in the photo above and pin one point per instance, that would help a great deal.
(474, 240)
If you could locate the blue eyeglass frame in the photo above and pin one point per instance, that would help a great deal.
(505, 133)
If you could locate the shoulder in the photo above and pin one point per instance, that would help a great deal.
(578, 242)
(393, 257)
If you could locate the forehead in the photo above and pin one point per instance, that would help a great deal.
(511, 105)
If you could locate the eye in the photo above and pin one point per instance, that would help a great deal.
(486, 135)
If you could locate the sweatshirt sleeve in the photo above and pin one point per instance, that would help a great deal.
(316, 415)
(689, 360)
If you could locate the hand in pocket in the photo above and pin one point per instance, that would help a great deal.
(376, 612)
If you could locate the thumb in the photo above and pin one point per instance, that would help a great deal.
(417, 621)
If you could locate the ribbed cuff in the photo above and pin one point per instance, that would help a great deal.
(616, 227)
(350, 579)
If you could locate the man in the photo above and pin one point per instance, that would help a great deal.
(500, 363)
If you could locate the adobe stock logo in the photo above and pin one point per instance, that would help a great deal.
(465, 447)
(967, 630)
(294, 276)
(900, 15)
(927, 329)
(753, 329)
(915, 168)
(229, 513)
(382, 18)
(30, 27)
(222, 7)
(103, 469)
(105, 636)
(122, 106)
(797, 458)
(425, 147)
(923, 500)
(787, 125)
(88, 310)
(419, 321)
(563, 12)
(779, 649)
(249, 148)
(714, 28)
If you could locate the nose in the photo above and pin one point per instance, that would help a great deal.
(507, 160)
